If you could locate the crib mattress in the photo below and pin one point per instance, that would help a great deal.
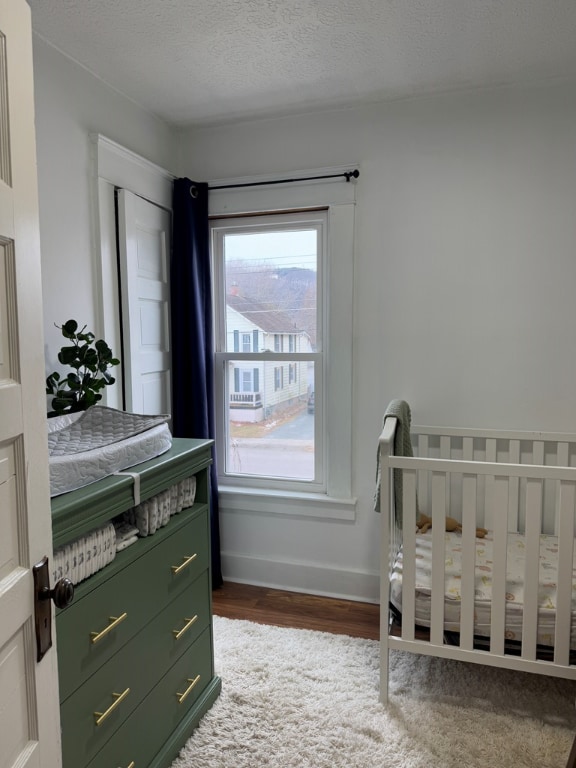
(87, 446)
(483, 585)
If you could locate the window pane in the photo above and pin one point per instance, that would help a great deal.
(270, 281)
(271, 428)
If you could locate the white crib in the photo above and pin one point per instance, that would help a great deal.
(522, 487)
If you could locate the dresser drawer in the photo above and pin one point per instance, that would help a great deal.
(145, 732)
(120, 685)
(99, 624)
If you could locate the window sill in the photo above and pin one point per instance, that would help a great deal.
(238, 499)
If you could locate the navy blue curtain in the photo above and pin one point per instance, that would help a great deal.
(191, 307)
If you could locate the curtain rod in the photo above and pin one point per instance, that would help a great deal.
(347, 175)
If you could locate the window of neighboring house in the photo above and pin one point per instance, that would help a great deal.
(269, 286)
(278, 378)
(246, 381)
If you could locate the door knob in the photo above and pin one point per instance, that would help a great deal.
(62, 594)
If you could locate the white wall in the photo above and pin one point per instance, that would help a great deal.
(465, 271)
(70, 105)
(465, 285)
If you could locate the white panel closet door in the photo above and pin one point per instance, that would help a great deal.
(29, 709)
(144, 249)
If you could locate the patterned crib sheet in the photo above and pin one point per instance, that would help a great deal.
(483, 585)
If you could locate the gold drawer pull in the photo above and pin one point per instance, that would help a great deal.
(115, 621)
(182, 696)
(178, 568)
(179, 632)
(118, 697)
(132, 764)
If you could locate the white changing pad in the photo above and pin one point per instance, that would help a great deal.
(483, 586)
(87, 446)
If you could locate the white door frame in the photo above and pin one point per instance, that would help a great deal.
(29, 699)
(115, 166)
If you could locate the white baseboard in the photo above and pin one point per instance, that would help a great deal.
(301, 577)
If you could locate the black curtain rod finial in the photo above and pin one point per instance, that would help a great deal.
(352, 174)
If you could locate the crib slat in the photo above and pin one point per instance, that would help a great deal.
(513, 497)
(565, 515)
(538, 452)
(531, 567)
(438, 557)
(499, 554)
(467, 448)
(446, 453)
(468, 561)
(409, 555)
(562, 455)
(561, 461)
(423, 475)
(489, 485)
(445, 447)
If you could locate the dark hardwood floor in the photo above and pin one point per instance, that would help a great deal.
(294, 609)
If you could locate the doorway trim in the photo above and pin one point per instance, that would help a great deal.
(116, 166)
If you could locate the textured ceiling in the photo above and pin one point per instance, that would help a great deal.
(207, 61)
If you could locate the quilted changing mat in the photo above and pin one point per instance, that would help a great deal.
(87, 446)
(483, 589)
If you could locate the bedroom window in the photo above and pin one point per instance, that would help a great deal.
(269, 285)
(286, 278)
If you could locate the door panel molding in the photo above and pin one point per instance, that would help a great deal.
(144, 246)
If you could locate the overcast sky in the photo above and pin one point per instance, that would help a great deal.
(281, 249)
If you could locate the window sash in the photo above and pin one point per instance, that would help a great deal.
(283, 377)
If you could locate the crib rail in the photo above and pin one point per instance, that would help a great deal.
(510, 483)
(543, 449)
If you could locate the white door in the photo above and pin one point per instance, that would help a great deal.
(29, 713)
(144, 238)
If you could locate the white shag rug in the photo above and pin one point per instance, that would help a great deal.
(294, 698)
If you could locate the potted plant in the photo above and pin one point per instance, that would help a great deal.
(90, 360)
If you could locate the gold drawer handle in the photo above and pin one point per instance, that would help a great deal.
(182, 696)
(178, 568)
(132, 764)
(118, 697)
(99, 635)
(179, 632)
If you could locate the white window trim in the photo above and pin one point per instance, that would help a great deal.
(337, 502)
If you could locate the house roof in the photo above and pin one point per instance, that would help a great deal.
(266, 317)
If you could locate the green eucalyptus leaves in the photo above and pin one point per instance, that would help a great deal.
(90, 361)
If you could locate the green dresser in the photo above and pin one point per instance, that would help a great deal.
(135, 651)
